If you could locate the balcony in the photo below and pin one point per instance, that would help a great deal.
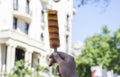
(20, 39)
(23, 16)
(45, 1)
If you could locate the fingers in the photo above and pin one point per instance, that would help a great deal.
(65, 63)
(52, 61)
(57, 70)
(63, 55)
(57, 57)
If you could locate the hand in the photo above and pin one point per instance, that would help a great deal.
(66, 64)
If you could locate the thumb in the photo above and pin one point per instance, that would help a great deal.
(57, 57)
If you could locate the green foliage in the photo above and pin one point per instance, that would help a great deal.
(21, 71)
(100, 49)
(54, 70)
(41, 68)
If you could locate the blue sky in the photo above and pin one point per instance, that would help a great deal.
(90, 18)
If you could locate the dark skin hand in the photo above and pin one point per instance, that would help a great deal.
(66, 64)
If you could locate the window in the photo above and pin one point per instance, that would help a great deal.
(42, 37)
(27, 6)
(5, 53)
(42, 15)
(67, 26)
(14, 23)
(20, 54)
(3, 56)
(35, 60)
(67, 42)
(15, 4)
(26, 27)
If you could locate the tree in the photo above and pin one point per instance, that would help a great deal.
(21, 71)
(100, 49)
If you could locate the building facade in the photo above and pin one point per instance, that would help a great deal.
(24, 31)
(77, 48)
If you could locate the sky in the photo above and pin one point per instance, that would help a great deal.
(90, 19)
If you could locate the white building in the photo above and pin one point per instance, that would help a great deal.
(24, 31)
(99, 71)
(77, 48)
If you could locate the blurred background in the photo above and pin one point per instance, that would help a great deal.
(89, 30)
(96, 29)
